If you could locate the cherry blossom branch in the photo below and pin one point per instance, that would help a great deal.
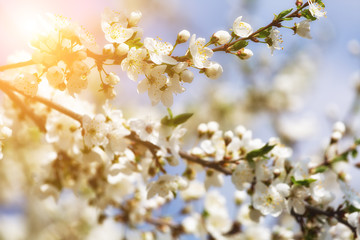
(177, 229)
(16, 65)
(152, 147)
(40, 122)
(275, 22)
(204, 163)
(332, 214)
(5, 86)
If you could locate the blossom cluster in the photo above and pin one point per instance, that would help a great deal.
(123, 170)
(63, 51)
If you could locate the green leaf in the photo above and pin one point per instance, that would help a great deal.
(304, 182)
(287, 19)
(340, 158)
(321, 169)
(175, 121)
(264, 33)
(181, 118)
(284, 13)
(259, 152)
(354, 153)
(306, 14)
(357, 141)
(134, 43)
(352, 208)
(205, 214)
(239, 45)
(321, 4)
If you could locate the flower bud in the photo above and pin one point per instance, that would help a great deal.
(336, 136)
(303, 29)
(214, 71)
(181, 66)
(79, 68)
(81, 55)
(221, 37)
(213, 126)
(332, 221)
(183, 36)
(111, 79)
(339, 127)
(240, 131)
(202, 128)
(244, 53)
(109, 50)
(134, 18)
(55, 76)
(299, 3)
(240, 197)
(122, 49)
(27, 83)
(187, 76)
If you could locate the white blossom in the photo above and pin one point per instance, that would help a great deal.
(153, 83)
(268, 200)
(159, 51)
(354, 220)
(194, 191)
(242, 29)
(316, 9)
(114, 25)
(147, 131)
(174, 144)
(303, 29)
(134, 63)
(275, 40)
(243, 175)
(166, 184)
(95, 130)
(199, 52)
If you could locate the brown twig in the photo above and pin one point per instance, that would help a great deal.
(16, 65)
(328, 213)
(39, 121)
(205, 163)
(6, 86)
(154, 148)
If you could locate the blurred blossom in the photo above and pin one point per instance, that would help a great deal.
(354, 47)
(296, 129)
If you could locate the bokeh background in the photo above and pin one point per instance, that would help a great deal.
(296, 94)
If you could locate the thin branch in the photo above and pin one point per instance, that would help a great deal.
(154, 148)
(275, 22)
(6, 87)
(16, 65)
(40, 122)
(59, 108)
(205, 163)
(331, 214)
